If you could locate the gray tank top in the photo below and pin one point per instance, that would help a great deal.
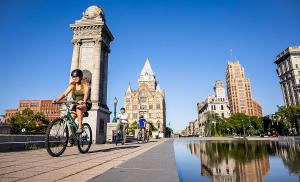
(78, 95)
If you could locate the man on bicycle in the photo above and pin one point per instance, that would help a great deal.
(123, 117)
(142, 123)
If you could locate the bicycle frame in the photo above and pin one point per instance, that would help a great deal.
(70, 119)
(119, 133)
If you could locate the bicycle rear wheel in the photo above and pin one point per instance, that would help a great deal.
(84, 140)
(57, 136)
(116, 138)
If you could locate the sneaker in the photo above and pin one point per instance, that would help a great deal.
(79, 131)
(71, 142)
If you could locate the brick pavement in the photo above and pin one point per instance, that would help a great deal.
(73, 166)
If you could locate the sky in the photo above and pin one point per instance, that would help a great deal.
(188, 44)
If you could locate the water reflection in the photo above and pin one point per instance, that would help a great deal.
(243, 161)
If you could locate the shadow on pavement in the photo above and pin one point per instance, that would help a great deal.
(114, 148)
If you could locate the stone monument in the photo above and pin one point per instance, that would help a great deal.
(91, 42)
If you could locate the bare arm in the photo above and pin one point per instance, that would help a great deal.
(86, 93)
(66, 92)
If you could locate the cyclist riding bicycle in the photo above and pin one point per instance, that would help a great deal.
(142, 123)
(80, 94)
(123, 117)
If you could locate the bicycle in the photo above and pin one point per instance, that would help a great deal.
(57, 135)
(140, 136)
(147, 137)
(147, 132)
(118, 135)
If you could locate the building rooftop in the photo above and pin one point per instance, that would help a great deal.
(284, 54)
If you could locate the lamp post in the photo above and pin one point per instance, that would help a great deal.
(115, 112)
(243, 128)
(263, 127)
(250, 125)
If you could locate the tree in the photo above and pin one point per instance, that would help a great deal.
(151, 128)
(213, 123)
(236, 121)
(288, 117)
(32, 122)
(169, 131)
(132, 127)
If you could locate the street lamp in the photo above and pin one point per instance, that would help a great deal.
(243, 128)
(250, 125)
(250, 129)
(263, 128)
(115, 112)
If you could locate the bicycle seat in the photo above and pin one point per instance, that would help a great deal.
(85, 114)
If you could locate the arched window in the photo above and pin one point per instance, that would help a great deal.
(143, 93)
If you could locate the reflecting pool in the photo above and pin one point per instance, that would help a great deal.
(240, 161)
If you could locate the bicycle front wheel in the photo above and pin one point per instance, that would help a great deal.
(57, 136)
(138, 138)
(84, 141)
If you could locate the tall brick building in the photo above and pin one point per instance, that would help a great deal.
(148, 100)
(239, 91)
(50, 110)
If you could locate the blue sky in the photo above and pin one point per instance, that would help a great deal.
(187, 42)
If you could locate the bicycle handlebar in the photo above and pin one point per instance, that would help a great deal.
(68, 103)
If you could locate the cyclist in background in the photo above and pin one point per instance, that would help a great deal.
(123, 117)
(148, 130)
(142, 123)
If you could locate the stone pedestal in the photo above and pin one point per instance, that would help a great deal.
(136, 131)
(161, 135)
(155, 134)
(110, 128)
(98, 120)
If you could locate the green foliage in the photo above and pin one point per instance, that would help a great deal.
(132, 127)
(285, 119)
(30, 146)
(32, 122)
(288, 117)
(135, 125)
(151, 128)
(218, 126)
(169, 131)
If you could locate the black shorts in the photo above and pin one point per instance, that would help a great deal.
(88, 107)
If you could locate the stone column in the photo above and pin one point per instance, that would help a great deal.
(96, 76)
(75, 60)
(76, 50)
(106, 78)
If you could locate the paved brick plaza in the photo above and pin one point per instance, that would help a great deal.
(72, 166)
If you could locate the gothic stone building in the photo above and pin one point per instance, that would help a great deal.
(148, 100)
